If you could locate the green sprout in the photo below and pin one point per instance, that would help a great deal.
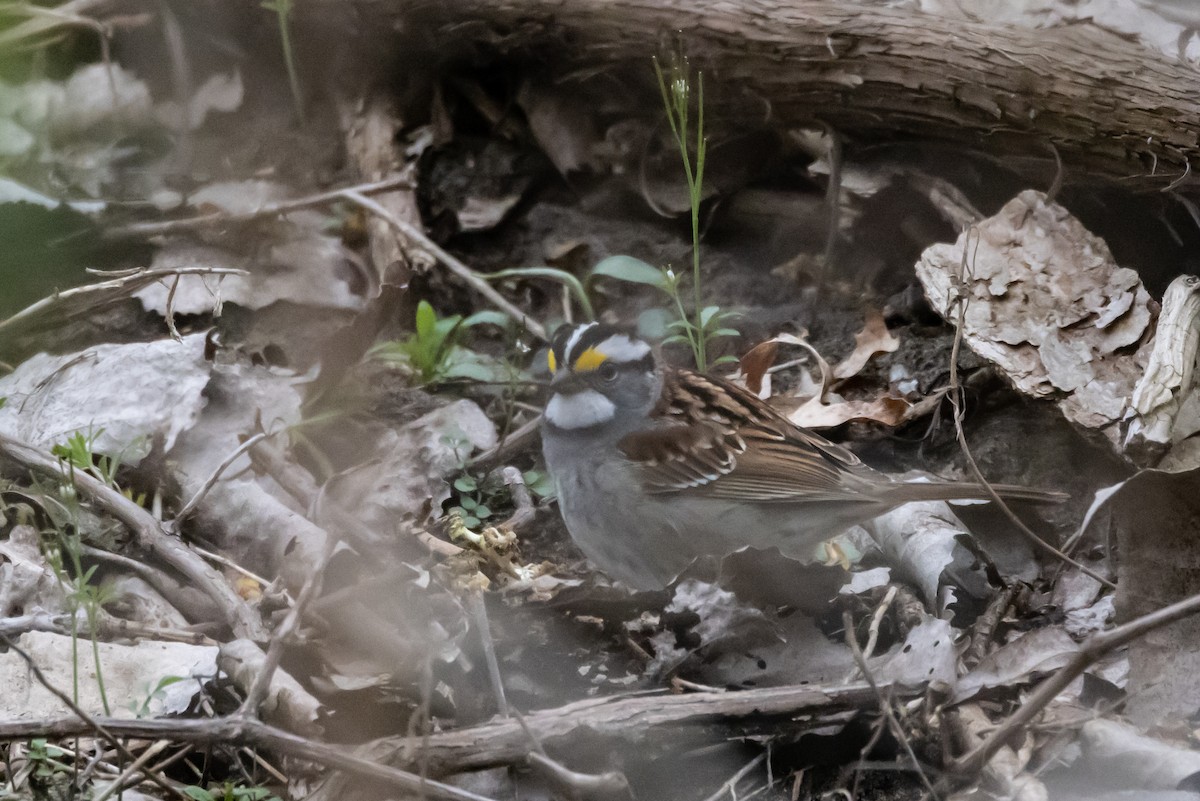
(434, 353)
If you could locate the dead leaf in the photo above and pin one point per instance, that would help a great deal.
(565, 131)
(754, 365)
(123, 394)
(872, 339)
(131, 673)
(1036, 653)
(889, 410)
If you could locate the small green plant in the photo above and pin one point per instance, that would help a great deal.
(283, 12)
(65, 553)
(229, 792)
(479, 498)
(703, 324)
(434, 352)
(143, 709)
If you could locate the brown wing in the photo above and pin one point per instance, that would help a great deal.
(720, 439)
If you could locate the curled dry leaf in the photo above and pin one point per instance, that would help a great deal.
(1045, 301)
(1164, 408)
(872, 339)
(754, 365)
(1036, 653)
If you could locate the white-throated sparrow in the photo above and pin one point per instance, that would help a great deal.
(656, 465)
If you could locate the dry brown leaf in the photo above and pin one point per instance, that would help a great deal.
(872, 339)
(754, 366)
(889, 410)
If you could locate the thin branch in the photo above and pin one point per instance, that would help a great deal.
(127, 281)
(956, 401)
(106, 626)
(148, 229)
(90, 723)
(885, 704)
(312, 587)
(504, 742)
(191, 505)
(149, 534)
(452, 264)
(119, 782)
(729, 788)
(231, 729)
(1094, 648)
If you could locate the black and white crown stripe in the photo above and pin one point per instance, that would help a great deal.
(617, 346)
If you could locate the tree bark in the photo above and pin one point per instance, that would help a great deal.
(1111, 107)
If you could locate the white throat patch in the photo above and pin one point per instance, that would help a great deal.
(581, 410)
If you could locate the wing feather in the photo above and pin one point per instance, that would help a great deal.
(719, 439)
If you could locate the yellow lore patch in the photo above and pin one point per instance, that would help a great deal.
(590, 359)
(551, 362)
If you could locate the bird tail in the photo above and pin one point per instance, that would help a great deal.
(946, 491)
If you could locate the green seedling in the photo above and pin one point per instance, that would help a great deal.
(229, 792)
(283, 12)
(142, 710)
(480, 498)
(433, 353)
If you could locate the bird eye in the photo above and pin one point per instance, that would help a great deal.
(607, 371)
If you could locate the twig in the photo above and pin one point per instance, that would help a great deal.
(130, 281)
(267, 210)
(985, 627)
(448, 261)
(523, 510)
(730, 787)
(312, 587)
(225, 561)
(877, 619)
(885, 705)
(1093, 649)
(105, 626)
(516, 440)
(230, 729)
(118, 783)
(607, 784)
(82, 717)
(191, 505)
(478, 609)
(955, 395)
(148, 533)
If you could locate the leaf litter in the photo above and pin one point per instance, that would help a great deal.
(371, 463)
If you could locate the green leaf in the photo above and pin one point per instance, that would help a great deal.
(471, 521)
(539, 483)
(707, 314)
(724, 332)
(198, 793)
(468, 503)
(465, 483)
(725, 360)
(474, 369)
(490, 317)
(483, 511)
(676, 339)
(634, 271)
(3, 400)
(426, 319)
